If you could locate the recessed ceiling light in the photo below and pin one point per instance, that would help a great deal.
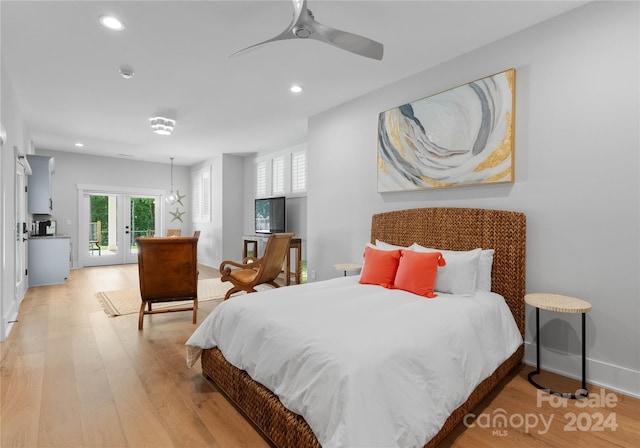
(112, 23)
(79, 144)
(296, 88)
(126, 72)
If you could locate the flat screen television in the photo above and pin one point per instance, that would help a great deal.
(271, 215)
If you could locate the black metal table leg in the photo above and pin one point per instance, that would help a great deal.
(584, 358)
(582, 393)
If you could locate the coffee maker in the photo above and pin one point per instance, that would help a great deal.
(45, 228)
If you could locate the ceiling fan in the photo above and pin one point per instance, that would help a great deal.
(304, 26)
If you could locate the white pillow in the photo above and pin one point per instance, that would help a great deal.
(483, 275)
(386, 246)
(459, 275)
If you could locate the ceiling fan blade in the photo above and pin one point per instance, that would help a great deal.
(287, 34)
(299, 8)
(303, 26)
(348, 41)
(299, 13)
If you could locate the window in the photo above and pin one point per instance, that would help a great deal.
(196, 193)
(278, 176)
(299, 172)
(201, 192)
(261, 179)
(206, 195)
(281, 173)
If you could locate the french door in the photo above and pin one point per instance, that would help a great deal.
(112, 221)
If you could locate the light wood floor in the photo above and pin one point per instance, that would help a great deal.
(73, 377)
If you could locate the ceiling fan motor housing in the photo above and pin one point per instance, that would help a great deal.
(302, 32)
(304, 27)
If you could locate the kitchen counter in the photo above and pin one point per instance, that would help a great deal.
(49, 257)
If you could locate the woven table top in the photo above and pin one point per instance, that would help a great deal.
(348, 266)
(559, 303)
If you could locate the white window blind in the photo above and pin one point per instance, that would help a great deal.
(261, 179)
(196, 193)
(277, 170)
(201, 192)
(281, 174)
(298, 172)
(206, 195)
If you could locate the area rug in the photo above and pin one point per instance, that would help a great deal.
(127, 301)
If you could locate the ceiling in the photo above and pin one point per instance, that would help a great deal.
(64, 67)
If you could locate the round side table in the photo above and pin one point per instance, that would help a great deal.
(348, 267)
(559, 304)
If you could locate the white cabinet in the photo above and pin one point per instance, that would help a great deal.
(39, 189)
(48, 260)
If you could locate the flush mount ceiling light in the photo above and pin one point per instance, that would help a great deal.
(112, 23)
(79, 144)
(296, 88)
(162, 126)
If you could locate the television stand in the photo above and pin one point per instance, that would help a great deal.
(295, 244)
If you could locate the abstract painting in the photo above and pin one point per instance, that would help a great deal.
(463, 136)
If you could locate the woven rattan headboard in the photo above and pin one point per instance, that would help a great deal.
(466, 229)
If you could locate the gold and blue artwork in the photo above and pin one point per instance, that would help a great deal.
(463, 136)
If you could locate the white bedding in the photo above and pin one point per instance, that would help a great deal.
(364, 365)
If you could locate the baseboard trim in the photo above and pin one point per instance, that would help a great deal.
(10, 318)
(209, 262)
(616, 378)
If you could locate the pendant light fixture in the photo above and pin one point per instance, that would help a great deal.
(171, 197)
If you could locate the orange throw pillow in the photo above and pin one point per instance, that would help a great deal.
(417, 272)
(379, 267)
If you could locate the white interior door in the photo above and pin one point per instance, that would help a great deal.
(21, 231)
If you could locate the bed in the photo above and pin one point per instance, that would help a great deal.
(456, 229)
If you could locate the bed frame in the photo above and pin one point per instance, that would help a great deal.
(443, 228)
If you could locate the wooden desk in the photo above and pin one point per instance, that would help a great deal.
(245, 247)
(296, 244)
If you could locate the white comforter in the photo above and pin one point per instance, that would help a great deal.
(364, 365)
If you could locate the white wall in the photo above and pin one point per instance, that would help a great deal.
(17, 138)
(232, 207)
(221, 237)
(73, 169)
(577, 178)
